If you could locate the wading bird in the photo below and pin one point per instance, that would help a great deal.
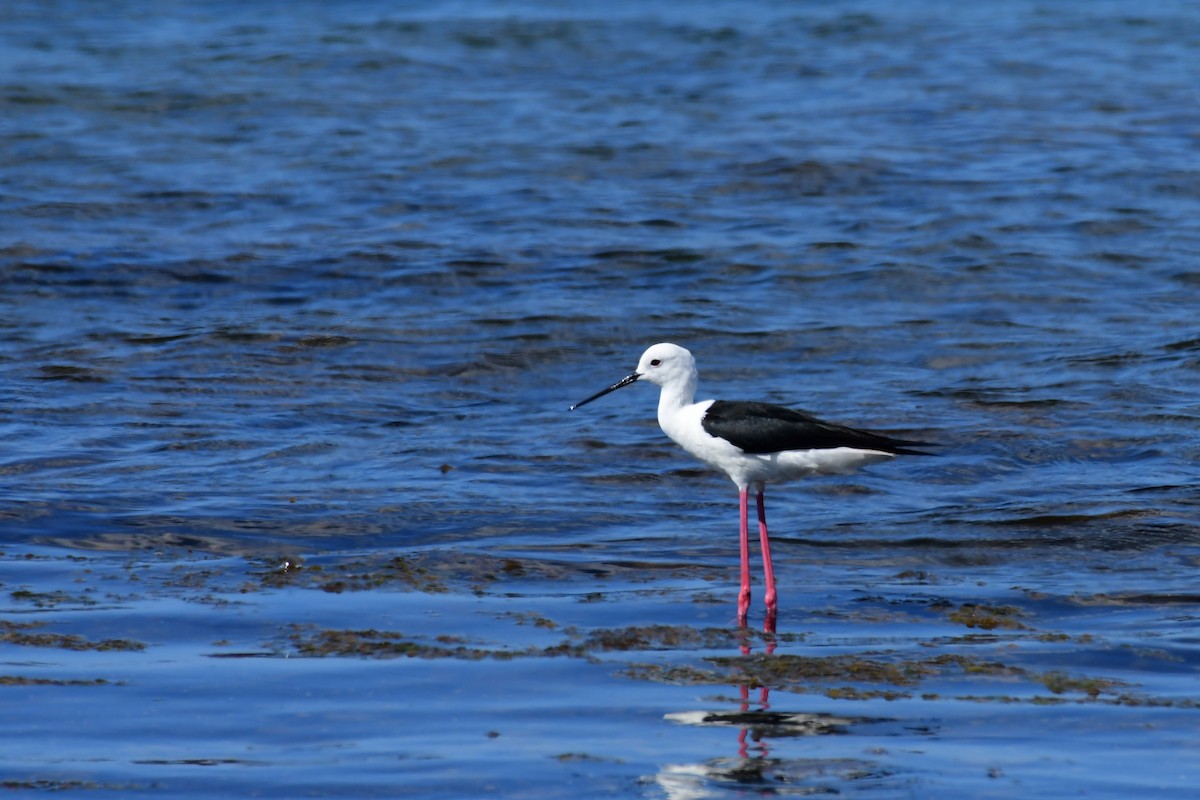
(754, 444)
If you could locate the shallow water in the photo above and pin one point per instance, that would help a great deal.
(296, 297)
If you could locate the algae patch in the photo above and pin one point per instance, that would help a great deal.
(371, 643)
(22, 634)
(988, 617)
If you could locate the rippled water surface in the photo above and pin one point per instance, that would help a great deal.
(295, 299)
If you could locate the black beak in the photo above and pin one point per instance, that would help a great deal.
(623, 382)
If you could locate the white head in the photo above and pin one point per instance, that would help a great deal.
(668, 365)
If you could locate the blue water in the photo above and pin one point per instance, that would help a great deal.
(296, 296)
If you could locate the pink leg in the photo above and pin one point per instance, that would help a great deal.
(744, 531)
(768, 568)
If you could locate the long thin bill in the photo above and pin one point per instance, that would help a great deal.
(628, 379)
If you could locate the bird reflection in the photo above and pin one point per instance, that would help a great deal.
(754, 767)
(764, 696)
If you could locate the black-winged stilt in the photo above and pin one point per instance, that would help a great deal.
(754, 444)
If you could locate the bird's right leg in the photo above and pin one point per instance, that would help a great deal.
(744, 532)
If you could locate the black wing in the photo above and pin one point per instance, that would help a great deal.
(766, 428)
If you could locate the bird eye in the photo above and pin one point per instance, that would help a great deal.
(656, 362)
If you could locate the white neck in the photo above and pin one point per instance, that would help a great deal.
(677, 395)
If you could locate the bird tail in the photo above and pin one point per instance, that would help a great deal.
(907, 447)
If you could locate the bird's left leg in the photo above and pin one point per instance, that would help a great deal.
(744, 537)
(768, 569)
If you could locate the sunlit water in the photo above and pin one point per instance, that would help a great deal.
(295, 299)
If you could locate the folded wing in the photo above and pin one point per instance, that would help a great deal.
(767, 428)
